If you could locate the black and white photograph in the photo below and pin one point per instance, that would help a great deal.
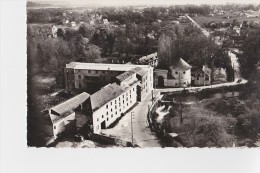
(94, 86)
(117, 74)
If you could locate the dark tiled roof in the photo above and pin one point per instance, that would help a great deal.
(181, 65)
(63, 109)
(139, 71)
(125, 75)
(104, 95)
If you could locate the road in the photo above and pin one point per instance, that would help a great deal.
(234, 60)
(141, 132)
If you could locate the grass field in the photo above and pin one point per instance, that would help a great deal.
(206, 19)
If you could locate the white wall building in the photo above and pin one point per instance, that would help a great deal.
(112, 101)
(84, 76)
(178, 75)
(63, 116)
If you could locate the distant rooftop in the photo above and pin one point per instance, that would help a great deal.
(181, 65)
(148, 58)
(66, 107)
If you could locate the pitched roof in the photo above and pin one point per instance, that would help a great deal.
(181, 65)
(206, 70)
(125, 75)
(148, 58)
(101, 66)
(63, 109)
(104, 95)
(139, 71)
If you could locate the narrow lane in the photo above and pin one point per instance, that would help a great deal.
(142, 134)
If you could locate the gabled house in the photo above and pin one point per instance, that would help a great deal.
(63, 115)
(201, 76)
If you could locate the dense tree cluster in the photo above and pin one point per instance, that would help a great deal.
(251, 53)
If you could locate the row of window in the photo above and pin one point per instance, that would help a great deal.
(115, 112)
(102, 71)
(123, 97)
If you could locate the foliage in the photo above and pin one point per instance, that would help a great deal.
(202, 128)
(251, 53)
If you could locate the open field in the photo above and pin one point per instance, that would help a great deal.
(206, 19)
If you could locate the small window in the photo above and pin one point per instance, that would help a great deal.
(79, 85)
(107, 106)
(198, 77)
(107, 113)
(123, 101)
(115, 101)
(107, 119)
(133, 89)
(97, 119)
(119, 98)
(104, 72)
(111, 110)
(184, 72)
(127, 104)
(119, 110)
(123, 96)
(96, 71)
(54, 127)
(111, 103)
(184, 82)
(89, 71)
(116, 113)
(176, 72)
(79, 76)
(102, 116)
(115, 107)
(112, 116)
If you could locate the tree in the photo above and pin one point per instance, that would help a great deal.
(86, 30)
(251, 53)
(84, 51)
(61, 32)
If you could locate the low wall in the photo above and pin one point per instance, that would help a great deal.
(110, 140)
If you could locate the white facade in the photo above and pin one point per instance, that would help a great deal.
(85, 73)
(108, 113)
(60, 125)
(180, 78)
